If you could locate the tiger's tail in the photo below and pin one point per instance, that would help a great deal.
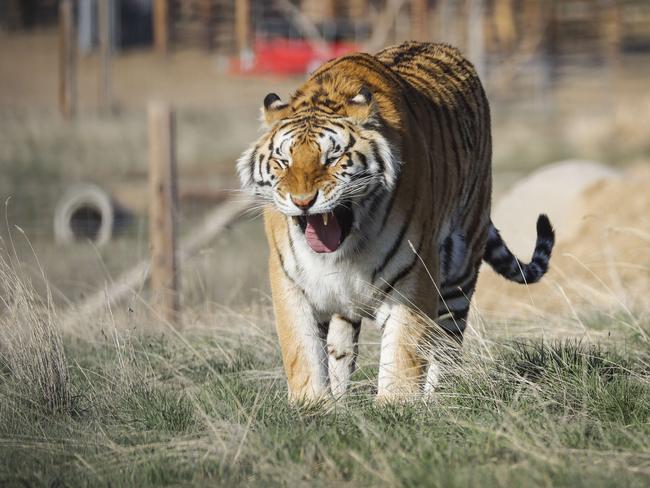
(507, 265)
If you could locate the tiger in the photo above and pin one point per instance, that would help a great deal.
(375, 183)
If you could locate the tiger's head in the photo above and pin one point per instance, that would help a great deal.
(323, 159)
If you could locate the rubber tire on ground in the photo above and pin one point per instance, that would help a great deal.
(79, 196)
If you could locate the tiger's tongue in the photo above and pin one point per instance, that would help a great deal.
(321, 237)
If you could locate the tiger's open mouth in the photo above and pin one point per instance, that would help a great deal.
(325, 232)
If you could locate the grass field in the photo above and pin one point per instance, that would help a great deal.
(556, 393)
(115, 406)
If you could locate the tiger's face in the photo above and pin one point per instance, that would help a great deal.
(321, 168)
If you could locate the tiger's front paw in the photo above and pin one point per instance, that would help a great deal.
(324, 403)
(309, 395)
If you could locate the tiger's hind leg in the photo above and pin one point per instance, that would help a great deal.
(444, 354)
(342, 350)
(454, 303)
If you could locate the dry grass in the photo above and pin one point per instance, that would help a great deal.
(31, 345)
(129, 403)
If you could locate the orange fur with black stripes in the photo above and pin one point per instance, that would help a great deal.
(376, 178)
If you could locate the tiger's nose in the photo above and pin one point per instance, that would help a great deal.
(304, 200)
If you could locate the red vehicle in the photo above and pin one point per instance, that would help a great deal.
(290, 56)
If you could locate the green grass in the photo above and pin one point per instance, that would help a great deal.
(213, 411)
(113, 403)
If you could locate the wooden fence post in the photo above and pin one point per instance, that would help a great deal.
(476, 36)
(163, 194)
(611, 23)
(105, 20)
(67, 60)
(161, 26)
(419, 20)
(242, 25)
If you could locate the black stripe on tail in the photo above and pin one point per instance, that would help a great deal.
(507, 265)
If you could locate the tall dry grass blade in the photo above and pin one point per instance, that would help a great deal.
(30, 341)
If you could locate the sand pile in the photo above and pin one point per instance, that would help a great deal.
(600, 265)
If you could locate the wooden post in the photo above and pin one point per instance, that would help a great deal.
(207, 9)
(163, 194)
(105, 21)
(67, 60)
(419, 20)
(504, 22)
(445, 22)
(242, 25)
(161, 26)
(612, 34)
(475, 35)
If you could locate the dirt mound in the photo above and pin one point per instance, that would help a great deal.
(602, 267)
(551, 189)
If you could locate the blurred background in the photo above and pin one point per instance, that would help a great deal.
(567, 80)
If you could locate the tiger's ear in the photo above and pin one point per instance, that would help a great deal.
(361, 107)
(274, 109)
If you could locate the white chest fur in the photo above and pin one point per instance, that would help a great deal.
(333, 283)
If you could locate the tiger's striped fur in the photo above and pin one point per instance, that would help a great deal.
(394, 151)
